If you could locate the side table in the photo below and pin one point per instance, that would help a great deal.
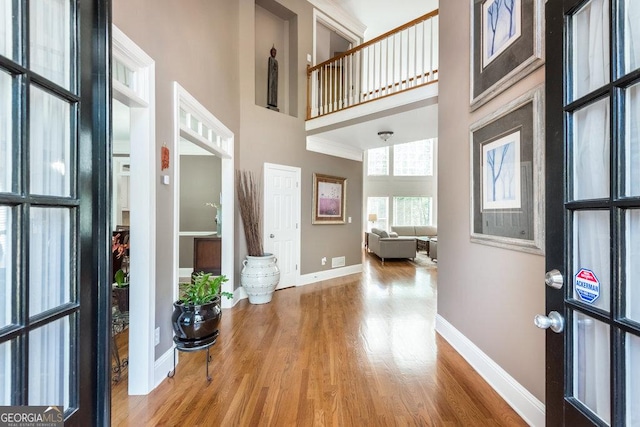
(204, 344)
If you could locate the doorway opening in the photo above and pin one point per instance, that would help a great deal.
(197, 129)
(134, 89)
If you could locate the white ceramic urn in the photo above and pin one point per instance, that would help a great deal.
(259, 277)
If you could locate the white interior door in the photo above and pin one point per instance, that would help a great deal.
(282, 219)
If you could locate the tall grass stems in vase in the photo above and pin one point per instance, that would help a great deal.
(249, 194)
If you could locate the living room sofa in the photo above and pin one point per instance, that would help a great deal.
(424, 231)
(415, 230)
(381, 244)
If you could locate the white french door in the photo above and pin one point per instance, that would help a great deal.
(593, 213)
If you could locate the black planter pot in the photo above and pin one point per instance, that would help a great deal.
(196, 323)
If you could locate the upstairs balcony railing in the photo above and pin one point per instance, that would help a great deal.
(399, 60)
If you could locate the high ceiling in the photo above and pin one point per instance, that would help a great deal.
(381, 16)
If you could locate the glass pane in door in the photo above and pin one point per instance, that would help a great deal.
(590, 154)
(6, 266)
(632, 139)
(633, 385)
(50, 364)
(631, 35)
(50, 37)
(591, 258)
(50, 147)
(6, 133)
(6, 379)
(590, 59)
(50, 259)
(632, 243)
(6, 28)
(591, 369)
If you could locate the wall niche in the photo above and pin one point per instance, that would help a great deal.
(276, 26)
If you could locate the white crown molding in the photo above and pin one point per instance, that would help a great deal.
(325, 146)
(518, 397)
(336, 12)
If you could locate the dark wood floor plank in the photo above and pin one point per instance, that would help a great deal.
(359, 350)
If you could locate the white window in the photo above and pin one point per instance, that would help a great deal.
(378, 161)
(412, 210)
(380, 207)
(413, 158)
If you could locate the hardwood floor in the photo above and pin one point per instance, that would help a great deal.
(355, 351)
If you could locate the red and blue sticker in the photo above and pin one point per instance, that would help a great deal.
(587, 285)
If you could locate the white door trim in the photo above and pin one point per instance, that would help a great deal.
(296, 214)
(143, 209)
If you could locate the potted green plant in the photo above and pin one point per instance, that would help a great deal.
(121, 290)
(197, 313)
(260, 274)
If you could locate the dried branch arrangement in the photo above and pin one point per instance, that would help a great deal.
(248, 190)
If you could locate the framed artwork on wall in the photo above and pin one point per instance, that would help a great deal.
(329, 199)
(507, 175)
(507, 43)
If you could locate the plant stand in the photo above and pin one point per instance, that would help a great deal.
(204, 344)
(119, 322)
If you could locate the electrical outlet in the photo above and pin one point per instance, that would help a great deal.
(324, 260)
(157, 336)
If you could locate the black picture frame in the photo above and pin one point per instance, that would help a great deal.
(521, 226)
(522, 54)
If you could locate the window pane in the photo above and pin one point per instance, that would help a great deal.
(123, 74)
(631, 35)
(591, 145)
(591, 243)
(413, 158)
(6, 28)
(6, 266)
(379, 207)
(378, 161)
(6, 133)
(591, 368)
(590, 47)
(50, 38)
(6, 379)
(632, 139)
(50, 256)
(412, 211)
(50, 147)
(50, 364)
(632, 243)
(633, 385)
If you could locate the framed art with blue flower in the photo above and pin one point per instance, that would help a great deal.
(507, 43)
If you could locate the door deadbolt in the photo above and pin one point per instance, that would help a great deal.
(554, 279)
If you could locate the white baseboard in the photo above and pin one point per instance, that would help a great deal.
(307, 279)
(162, 366)
(185, 272)
(518, 397)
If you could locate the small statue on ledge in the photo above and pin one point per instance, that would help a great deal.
(272, 81)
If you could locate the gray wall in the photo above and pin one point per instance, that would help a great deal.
(268, 136)
(493, 299)
(208, 47)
